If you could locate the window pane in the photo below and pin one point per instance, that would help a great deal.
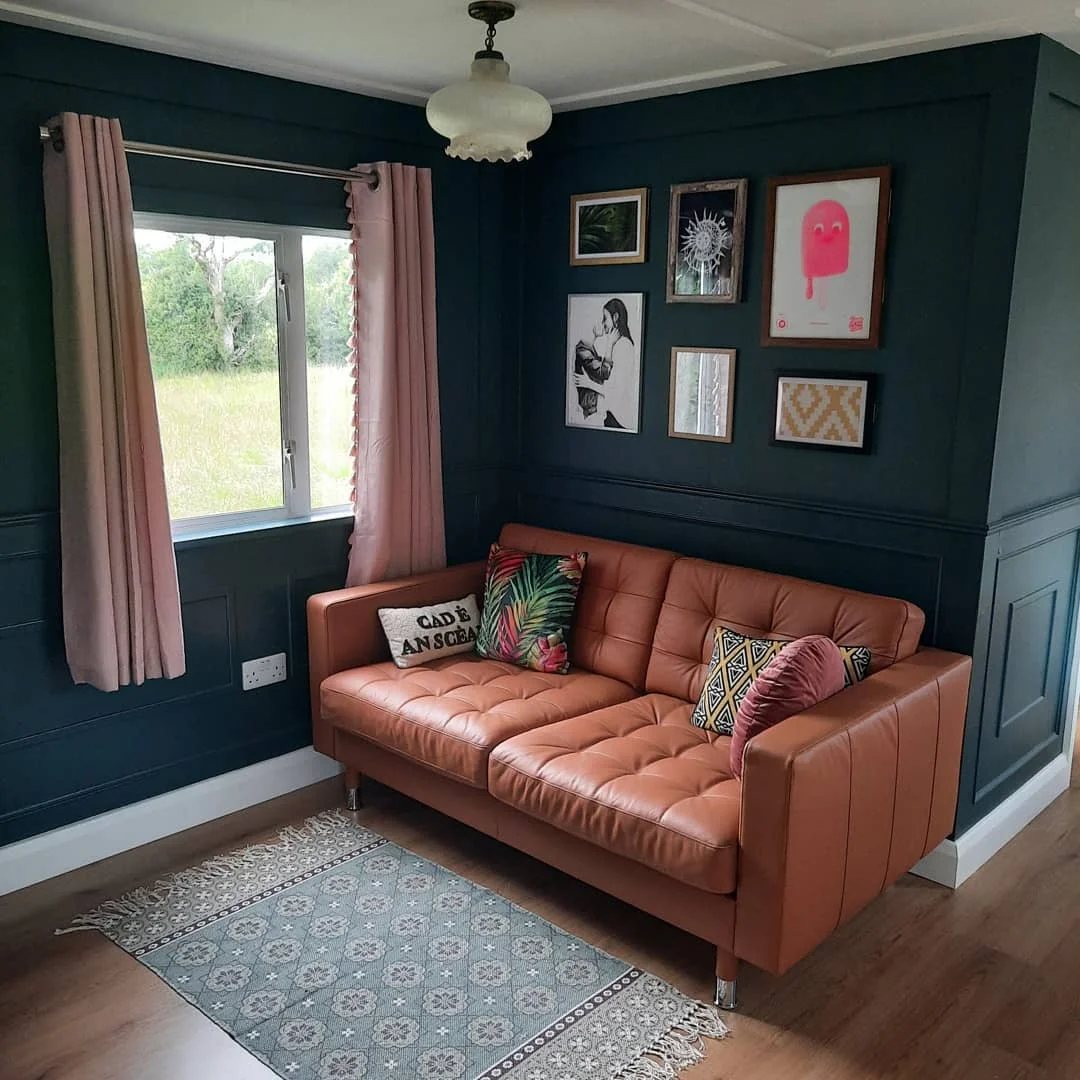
(328, 305)
(211, 321)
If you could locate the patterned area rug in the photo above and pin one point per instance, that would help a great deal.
(333, 954)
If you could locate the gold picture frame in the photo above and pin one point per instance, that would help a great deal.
(609, 228)
(701, 396)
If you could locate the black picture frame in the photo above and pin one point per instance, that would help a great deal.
(786, 378)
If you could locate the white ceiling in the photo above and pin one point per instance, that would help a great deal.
(576, 52)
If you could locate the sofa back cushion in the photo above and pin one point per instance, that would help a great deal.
(619, 602)
(703, 595)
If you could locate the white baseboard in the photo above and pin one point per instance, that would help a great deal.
(952, 862)
(27, 862)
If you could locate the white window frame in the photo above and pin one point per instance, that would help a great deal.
(288, 243)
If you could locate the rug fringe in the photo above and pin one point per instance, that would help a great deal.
(678, 1048)
(111, 913)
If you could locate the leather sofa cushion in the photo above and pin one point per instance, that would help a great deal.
(449, 713)
(703, 595)
(618, 604)
(636, 779)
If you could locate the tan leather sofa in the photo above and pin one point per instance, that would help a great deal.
(600, 773)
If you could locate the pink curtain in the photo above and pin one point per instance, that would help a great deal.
(120, 596)
(397, 482)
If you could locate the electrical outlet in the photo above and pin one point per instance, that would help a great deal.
(264, 671)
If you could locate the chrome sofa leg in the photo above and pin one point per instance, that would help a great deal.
(353, 799)
(725, 993)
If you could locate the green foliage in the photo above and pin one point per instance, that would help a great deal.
(179, 317)
(607, 227)
(209, 310)
(328, 298)
(184, 332)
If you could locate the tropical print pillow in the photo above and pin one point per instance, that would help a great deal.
(529, 602)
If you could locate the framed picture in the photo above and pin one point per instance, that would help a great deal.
(603, 361)
(830, 411)
(825, 259)
(608, 228)
(702, 394)
(705, 242)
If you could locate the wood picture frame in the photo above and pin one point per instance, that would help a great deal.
(824, 271)
(700, 270)
(609, 228)
(701, 405)
(825, 410)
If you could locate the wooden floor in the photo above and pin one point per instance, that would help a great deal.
(979, 984)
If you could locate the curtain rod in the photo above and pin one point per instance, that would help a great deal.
(264, 164)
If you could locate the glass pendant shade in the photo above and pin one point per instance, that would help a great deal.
(488, 118)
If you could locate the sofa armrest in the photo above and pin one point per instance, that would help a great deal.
(344, 629)
(841, 800)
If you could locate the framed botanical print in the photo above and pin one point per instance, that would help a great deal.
(702, 395)
(603, 361)
(608, 228)
(705, 242)
(825, 410)
(825, 259)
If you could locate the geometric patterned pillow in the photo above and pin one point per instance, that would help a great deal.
(856, 663)
(736, 662)
(529, 602)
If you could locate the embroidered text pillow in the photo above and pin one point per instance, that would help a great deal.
(529, 602)
(419, 634)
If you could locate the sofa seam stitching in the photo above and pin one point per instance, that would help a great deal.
(892, 815)
(847, 832)
(933, 773)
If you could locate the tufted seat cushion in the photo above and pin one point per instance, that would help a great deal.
(450, 712)
(637, 779)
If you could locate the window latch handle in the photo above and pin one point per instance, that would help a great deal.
(283, 288)
(289, 455)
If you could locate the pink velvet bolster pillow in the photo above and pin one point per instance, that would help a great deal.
(808, 671)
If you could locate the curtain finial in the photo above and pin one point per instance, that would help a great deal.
(53, 133)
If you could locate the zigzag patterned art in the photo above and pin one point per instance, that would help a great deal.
(822, 411)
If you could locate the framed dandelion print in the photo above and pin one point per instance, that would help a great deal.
(608, 228)
(825, 259)
(702, 394)
(827, 411)
(705, 242)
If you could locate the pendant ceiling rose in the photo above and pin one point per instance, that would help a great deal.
(489, 118)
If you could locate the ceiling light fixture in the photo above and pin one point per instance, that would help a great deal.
(488, 118)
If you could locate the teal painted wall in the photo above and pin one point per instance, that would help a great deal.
(1033, 540)
(913, 517)
(967, 505)
(67, 752)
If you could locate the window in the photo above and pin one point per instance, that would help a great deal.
(248, 327)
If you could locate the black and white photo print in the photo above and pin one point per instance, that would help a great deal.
(603, 365)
